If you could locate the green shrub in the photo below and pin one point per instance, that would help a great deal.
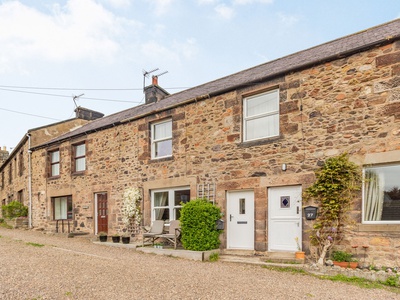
(198, 225)
(341, 256)
(14, 209)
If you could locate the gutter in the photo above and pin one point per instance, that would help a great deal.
(29, 181)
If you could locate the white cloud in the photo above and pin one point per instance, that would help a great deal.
(161, 6)
(119, 3)
(177, 52)
(201, 2)
(82, 29)
(288, 20)
(225, 11)
(244, 2)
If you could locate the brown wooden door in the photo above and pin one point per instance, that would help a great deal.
(102, 212)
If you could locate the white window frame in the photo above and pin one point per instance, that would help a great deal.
(171, 201)
(155, 141)
(364, 195)
(79, 159)
(54, 163)
(261, 115)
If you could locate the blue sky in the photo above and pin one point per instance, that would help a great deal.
(54, 50)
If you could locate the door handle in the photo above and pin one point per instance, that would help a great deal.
(298, 210)
(230, 217)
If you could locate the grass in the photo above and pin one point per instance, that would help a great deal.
(35, 245)
(391, 283)
(214, 256)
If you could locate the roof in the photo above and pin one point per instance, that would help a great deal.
(329, 51)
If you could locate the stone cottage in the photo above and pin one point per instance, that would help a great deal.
(250, 142)
(15, 170)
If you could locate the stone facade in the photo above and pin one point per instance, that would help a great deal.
(14, 172)
(350, 103)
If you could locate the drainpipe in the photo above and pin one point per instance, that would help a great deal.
(29, 181)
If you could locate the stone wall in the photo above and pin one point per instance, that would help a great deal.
(348, 105)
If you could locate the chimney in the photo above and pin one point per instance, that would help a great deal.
(87, 114)
(153, 92)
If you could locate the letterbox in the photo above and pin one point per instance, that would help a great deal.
(220, 224)
(310, 212)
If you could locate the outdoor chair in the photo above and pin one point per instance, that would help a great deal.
(173, 234)
(156, 228)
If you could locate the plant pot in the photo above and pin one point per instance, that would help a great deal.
(353, 264)
(116, 239)
(103, 238)
(342, 264)
(300, 254)
(126, 239)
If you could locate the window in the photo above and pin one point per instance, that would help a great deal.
(80, 157)
(261, 116)
(21, 163)
(381, 194)
(161, 139)
(62, 208)
(54, 157)
(166, 204)
(10, 173)
(2, 180)
(20, 196)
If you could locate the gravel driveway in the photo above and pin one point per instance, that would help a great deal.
(75, 268)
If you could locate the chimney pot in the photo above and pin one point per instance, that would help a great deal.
(155, 80)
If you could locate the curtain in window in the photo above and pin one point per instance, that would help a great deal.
(160, 199)
(374, 196)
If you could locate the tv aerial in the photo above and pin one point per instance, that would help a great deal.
(76, 98)
(146, 74)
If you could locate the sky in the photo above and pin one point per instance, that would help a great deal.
(97, 51)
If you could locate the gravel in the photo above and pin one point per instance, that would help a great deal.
(75, 268)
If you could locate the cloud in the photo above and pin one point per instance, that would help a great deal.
(119, 3)
(244, 2)
(225, 11)
(201, 2)
(288, 20)
(82, 29)
(177, 52)
(161, 6)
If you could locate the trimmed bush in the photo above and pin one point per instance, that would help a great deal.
(198, 225)
(14, 209)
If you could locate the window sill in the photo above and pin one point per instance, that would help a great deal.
(378, 227)
(80, 173)
(53, 177)
(155, 160)
(259, 142)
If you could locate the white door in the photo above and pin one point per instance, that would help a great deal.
(240, 220)
(284, 218)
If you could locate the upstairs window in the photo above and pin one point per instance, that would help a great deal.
(21, 163)
(381, 194)
(161, 139)
(261, 116)
(10, 173)
(79, 157)
(54, 157)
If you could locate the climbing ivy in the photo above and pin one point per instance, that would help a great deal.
(337, 184)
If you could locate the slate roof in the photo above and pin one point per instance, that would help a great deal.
(329, 51)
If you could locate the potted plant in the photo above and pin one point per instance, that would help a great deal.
(116, 238)
(126, 239)
(299, 254)
(344, 259)
(102, 236)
